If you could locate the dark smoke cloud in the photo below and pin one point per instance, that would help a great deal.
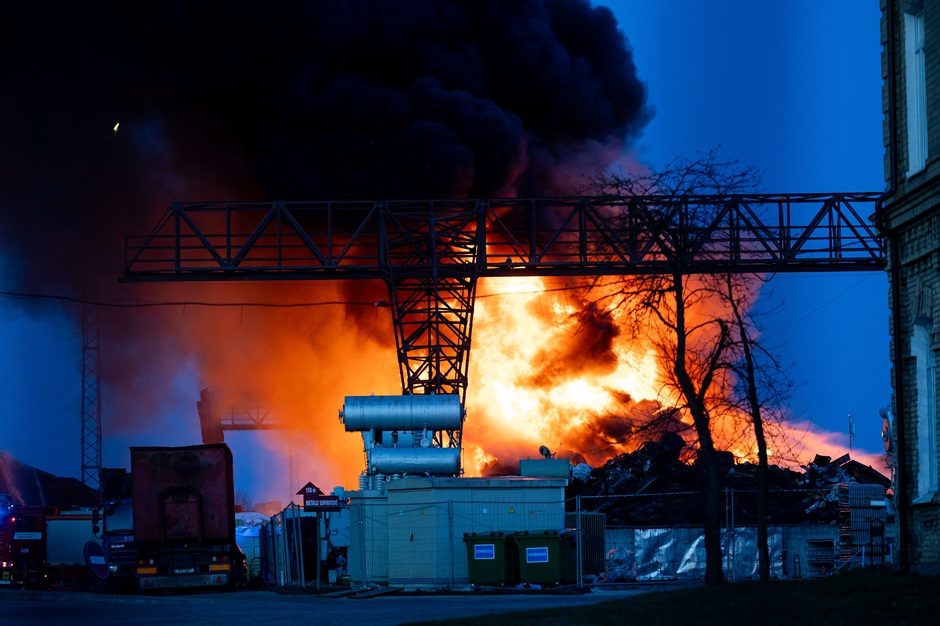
(589, 348)
(409, 98)
(633, 423)
(282, 100)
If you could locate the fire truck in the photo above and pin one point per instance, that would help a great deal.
(22, 546)
(42, 546)
(6, 540)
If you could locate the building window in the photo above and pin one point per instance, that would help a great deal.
(915, 79)
(926, 381)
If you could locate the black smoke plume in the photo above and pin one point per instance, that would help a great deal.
(113, 110)
(295, 100)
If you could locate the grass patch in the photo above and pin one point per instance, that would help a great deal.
(856, 598)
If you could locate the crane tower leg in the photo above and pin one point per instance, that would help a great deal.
(433, 311)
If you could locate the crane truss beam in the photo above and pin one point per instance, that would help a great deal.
(542, 237)
(431, 253)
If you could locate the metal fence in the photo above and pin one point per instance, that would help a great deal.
(619, 538)
(290, 550)
(660, 536)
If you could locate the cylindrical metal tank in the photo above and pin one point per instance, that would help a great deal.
(411, 412)
(438, 461)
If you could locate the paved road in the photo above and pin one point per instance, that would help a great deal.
(255, 608)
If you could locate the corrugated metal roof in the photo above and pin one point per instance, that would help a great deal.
(30, 486)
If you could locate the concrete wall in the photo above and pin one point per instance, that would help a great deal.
(810, 551)
(368, 537)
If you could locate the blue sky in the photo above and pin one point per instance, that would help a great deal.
(792, 88)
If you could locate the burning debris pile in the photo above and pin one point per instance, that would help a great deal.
(653, 487)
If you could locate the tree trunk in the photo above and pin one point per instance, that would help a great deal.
(763, 550)
(713, 557)
(706, 453)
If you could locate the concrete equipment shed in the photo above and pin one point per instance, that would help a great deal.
(412, 534)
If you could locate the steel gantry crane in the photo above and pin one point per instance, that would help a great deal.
(431, 253)
(213, 421)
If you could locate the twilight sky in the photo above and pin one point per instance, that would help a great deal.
(791, 88)
(794, 89)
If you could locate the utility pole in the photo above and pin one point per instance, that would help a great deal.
(851, 432)
(91, 398)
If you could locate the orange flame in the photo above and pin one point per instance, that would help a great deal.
(545, 369)
(539, 375)
(527, 388)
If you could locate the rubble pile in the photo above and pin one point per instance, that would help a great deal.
(656, 488)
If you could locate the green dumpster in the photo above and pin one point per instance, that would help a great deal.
(547, 557)
(491, 558)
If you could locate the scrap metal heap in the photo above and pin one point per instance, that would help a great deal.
(659, 489)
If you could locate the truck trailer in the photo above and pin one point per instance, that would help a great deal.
(184, 517)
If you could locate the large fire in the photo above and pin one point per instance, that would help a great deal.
(541, 373)
(470, 111)
(553, 363)
(547, 367)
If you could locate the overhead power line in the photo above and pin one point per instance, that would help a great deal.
(32, 295)
(178, 303)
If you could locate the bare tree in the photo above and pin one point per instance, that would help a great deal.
(701, 333)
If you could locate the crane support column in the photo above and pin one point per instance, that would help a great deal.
(432, 311)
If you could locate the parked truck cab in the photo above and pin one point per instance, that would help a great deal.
(117, 538)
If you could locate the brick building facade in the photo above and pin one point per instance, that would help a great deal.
(909, 218)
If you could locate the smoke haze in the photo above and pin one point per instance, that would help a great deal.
(113, 110)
